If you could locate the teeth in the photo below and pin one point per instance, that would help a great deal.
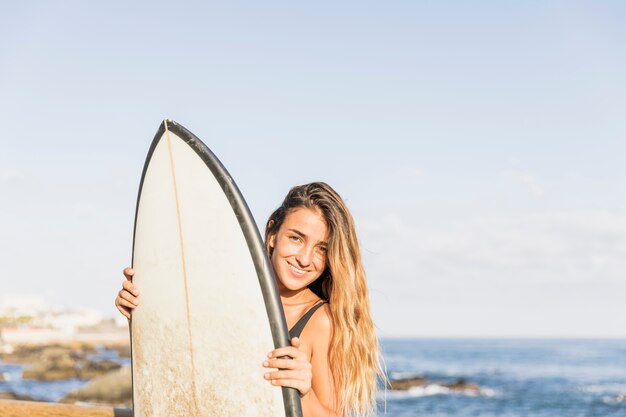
(300, 271)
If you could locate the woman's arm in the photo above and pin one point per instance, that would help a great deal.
(308, 369)
(324, 398)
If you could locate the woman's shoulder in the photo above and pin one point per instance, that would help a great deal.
(320, 325)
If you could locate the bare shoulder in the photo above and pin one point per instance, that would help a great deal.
(319, 328)
(319, 332)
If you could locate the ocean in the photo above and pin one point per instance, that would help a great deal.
(516, 378)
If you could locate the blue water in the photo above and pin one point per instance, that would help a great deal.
(46, 391)
(518, 378)
(49, 390)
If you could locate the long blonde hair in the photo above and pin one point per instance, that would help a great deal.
(353, 353)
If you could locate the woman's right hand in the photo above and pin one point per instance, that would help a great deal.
(126, 299)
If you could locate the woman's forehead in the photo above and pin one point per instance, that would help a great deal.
(309, 222)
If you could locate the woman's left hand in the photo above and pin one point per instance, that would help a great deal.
(294, 371)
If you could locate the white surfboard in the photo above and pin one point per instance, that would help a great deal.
(209, 311)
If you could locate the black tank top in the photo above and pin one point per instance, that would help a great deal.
(299, 326)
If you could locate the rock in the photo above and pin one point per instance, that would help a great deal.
(23, 354)
(113, 388)
(41, 373)
(64, 362)
(90, 370)
(30, 354)
(61, 357)
(461, 385)
(13, 396)
(123, 351)
(404, 384)
(54, 363)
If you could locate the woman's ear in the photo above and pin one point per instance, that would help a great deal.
(272, 241)
(272, 238)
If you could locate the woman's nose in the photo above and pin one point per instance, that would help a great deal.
(305, 255)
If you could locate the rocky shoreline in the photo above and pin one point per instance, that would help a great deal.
(113, 388)
(109, 374)
(459, 386)
(109, 381)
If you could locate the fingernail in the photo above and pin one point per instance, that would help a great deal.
(266, 363)
(269, 355)
(266, 376)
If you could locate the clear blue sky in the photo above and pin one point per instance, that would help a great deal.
(480, 145)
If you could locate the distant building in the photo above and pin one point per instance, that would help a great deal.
(27, 320)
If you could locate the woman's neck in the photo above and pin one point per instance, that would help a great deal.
(297, 298)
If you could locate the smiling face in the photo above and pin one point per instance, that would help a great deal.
(299, 249)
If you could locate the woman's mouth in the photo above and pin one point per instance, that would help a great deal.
(297, 270)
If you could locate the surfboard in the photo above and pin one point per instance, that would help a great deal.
(209, 310)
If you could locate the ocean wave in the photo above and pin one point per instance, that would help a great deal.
(431, 390)
(403, 375)
(606, 388)
(619, 399)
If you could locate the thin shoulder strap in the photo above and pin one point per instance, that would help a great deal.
(299, 326)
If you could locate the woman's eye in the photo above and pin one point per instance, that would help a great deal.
(295, 238)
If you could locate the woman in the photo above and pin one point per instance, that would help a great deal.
(334, 357)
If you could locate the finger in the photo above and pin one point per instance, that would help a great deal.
(131, 288)
(123, 310)
(275, 376)
(295, 342)
(286, 364)
(290, 351)
(125, 295)
(291, 383)
(128, 273)
(299, 374)
(122, 302)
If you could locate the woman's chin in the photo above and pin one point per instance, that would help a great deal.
(292, 284)
(295, 287)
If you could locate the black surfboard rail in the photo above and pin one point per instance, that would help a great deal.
(262, 265)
